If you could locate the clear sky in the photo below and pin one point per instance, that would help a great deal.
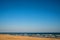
(29, 15)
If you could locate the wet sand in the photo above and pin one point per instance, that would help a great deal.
(12, 37)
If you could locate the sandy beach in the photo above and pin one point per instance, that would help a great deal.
(11, 37)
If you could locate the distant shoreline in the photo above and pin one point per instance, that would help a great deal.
(46, 35)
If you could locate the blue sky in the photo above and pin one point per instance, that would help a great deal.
(29, 15)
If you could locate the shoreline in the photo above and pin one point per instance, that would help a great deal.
(13, 37)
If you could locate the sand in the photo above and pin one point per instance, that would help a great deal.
(11, 37)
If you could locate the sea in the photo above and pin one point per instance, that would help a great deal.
(34, 34)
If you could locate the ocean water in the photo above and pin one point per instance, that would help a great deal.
(32, 34)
